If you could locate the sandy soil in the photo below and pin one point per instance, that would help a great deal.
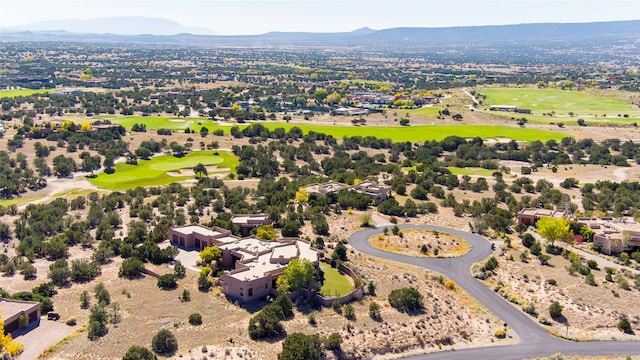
(592, 312)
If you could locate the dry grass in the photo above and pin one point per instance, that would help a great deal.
(592, 312)
(411, 242)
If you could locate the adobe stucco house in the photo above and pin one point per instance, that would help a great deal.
(613, 235)
(247, 222)
(377, 192)
(255, 273)
(196, 236)
(255, 264)
(12, 310)
(529, 216)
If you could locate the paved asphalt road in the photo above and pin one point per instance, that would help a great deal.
(534, 340)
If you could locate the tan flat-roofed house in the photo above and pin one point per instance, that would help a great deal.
(12, 312)
(529, 216)
(255, 275)
(247, 222)
(196, 236)
(255, 264)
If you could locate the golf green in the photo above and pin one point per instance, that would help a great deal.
(154, 172)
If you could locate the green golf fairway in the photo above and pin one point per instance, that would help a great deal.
(153, 172)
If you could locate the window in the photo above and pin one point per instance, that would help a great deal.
(250, 292)
(241, 292)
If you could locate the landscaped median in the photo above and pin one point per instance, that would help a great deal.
(165, 169)
(418, 242)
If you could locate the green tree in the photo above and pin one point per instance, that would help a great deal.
(102, 294)
(320, 95)
(340, 252)
(139, 353)
(164, 343)
(179, 270)
(85, 301)
(200, 169)
(131, 268)
(406, 299)
(528, 240)
(98, 320)
(298, 346)
(167, 281)
(553, 229)
(299, 274)
(204, 283)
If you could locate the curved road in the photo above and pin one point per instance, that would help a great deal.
(534, 340)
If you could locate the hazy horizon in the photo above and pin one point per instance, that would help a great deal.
(244, 17)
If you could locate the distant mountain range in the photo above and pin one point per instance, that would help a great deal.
(167, 32)
(127, 25)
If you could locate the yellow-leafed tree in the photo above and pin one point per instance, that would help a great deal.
(86, 126)
(302, 196)
(7, 345)
(554, 229)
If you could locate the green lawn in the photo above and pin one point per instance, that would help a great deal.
(154, 172)
(335, 284)
(22, 92)
(561, 101)
(429, 111)
(471, 171)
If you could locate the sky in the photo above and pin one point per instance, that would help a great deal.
(240, 17)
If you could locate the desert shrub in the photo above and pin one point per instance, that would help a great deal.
(500, 334)
(374, 310)
(406, 299)
(167, 282)
(530, 309)
(195, 319)
(139, 353)
(349, 312)
(450, 284)
(555, 310)
(333, 342)
(491, 264)
(552, 282)
(625, 326)
(543, 320)
(71, 321)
